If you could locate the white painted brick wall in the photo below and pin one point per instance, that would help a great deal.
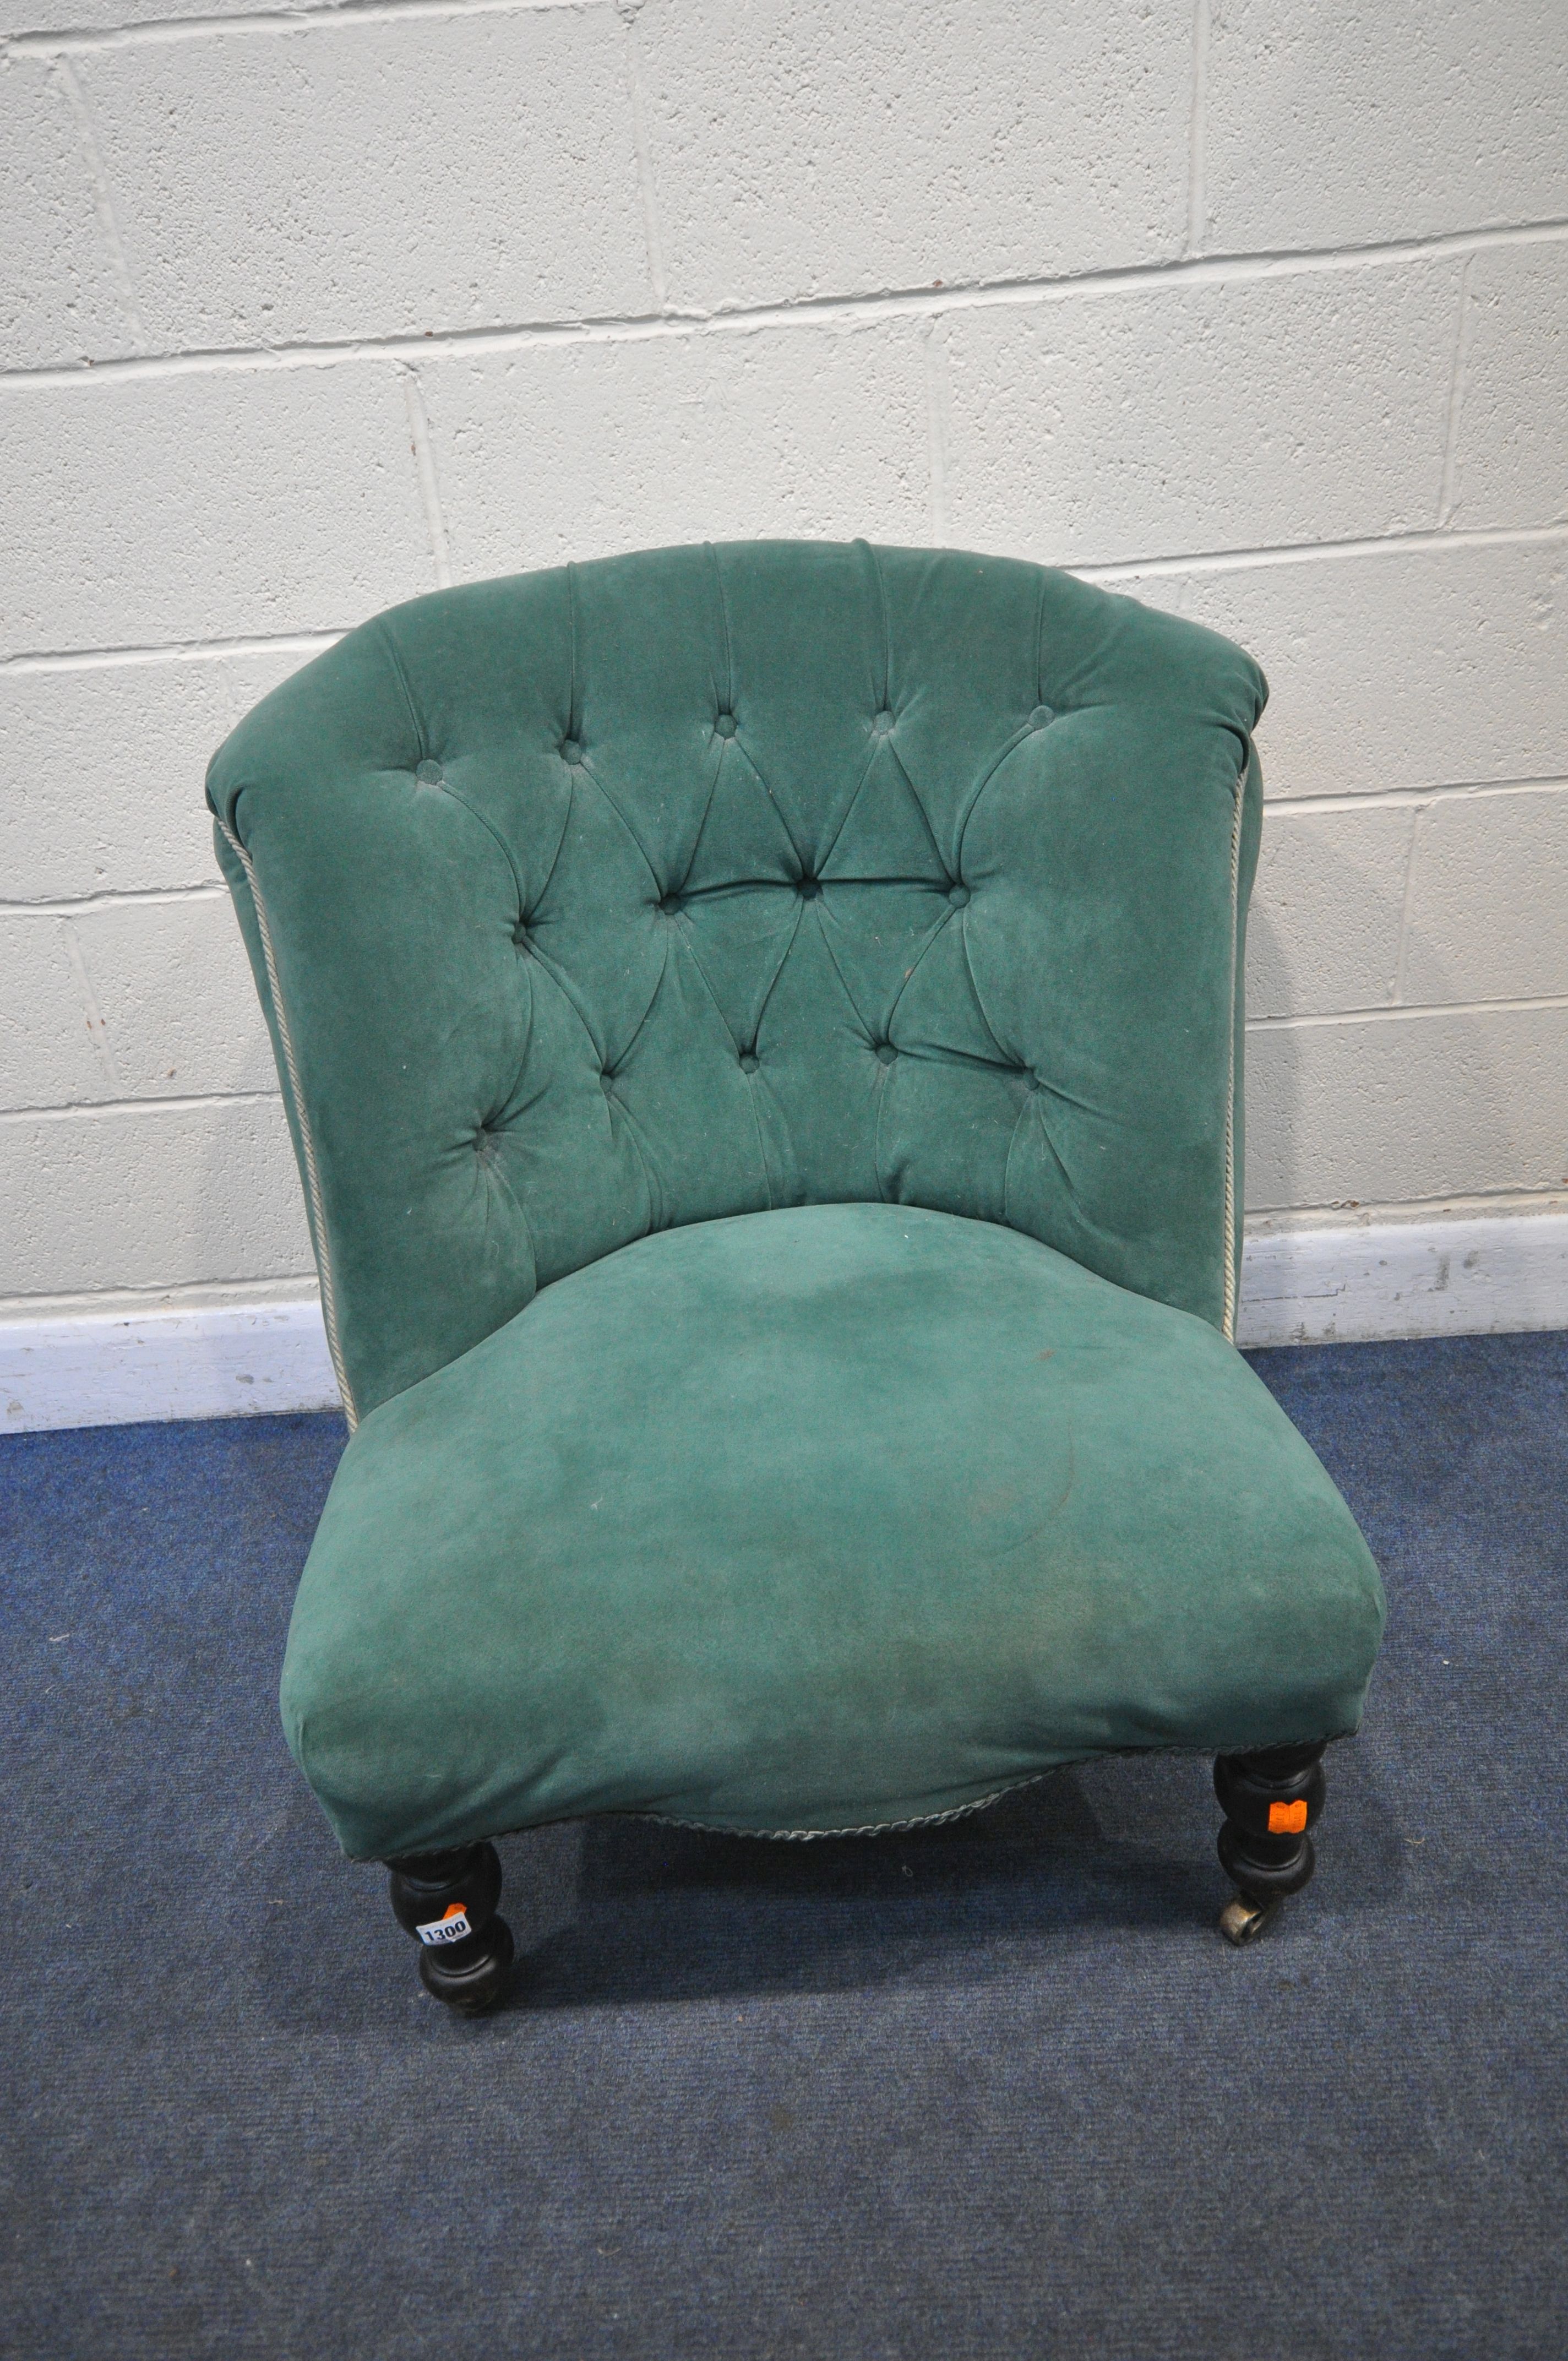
(1383, 1111)
(1380, 120)
(648, 440)
(1258, 311)
(121, 1198)
(209, 504)
(1425, 661)
(97, 761)
(811, 149)
(58, 294)
(1510, 467)
(1324, 930)
(375, 178)
(1488, 917)
(1176, 416)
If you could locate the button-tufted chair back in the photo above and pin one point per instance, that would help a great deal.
(708, 880)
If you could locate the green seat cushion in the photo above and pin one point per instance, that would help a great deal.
(826, 1518)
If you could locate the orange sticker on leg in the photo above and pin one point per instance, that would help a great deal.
(1287, 1820)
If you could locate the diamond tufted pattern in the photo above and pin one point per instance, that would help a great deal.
(708, 881)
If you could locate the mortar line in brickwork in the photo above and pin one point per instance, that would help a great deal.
(1211, 269)
(1407, 901)
(1310, 553)
(1120, 570)
(160, 31)
(1413, 799)
(285, 643)
(1265, 1223)
(95, 1109)
(1464, 336)
(1397, 1013)
(97, 1031)
(85, 1110)
(429, 486)
(103, 195)
(658, 285)
(1197, 198)
(82, 905)
(937, 421)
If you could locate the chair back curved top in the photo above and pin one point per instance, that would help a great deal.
(715, 879)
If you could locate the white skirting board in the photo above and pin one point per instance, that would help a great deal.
(1456, 1275)
(1450, 1277)
(213, 1361)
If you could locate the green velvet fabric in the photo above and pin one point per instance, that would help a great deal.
(814, 1519)
(760, 1027)
(706, 881)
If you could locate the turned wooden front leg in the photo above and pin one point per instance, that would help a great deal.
(1271, 1801)
(447, 1901)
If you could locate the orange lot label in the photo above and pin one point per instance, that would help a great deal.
(1287, 1820)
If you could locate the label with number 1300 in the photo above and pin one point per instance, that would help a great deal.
(450, 1927)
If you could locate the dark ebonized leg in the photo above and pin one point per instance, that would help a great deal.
(1271, 1800)
(448, 1902)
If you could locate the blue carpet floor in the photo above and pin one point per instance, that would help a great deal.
(997, 2089)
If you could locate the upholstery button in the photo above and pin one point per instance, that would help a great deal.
(883, 722)
(809, 888)
(606, 1081)
(672, 906)
(429, 774)
(958, 896)
(726, 726)
(748, 1062)
(520, 934)
(885, 1051)
(571, 751)
(1040, 716)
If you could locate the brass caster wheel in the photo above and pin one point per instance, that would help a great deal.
(1270, 1800)
(1241, 1921)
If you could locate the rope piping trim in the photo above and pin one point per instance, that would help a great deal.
(1229, 1324)
(869, 1829)
(769, 1836)
(313, 1177)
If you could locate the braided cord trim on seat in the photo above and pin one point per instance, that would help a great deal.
(870, 1828)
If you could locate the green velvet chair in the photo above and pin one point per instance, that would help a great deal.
(762, 1030)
